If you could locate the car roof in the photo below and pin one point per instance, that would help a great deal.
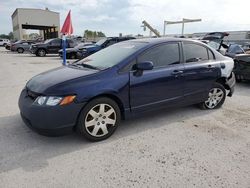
(164, 39)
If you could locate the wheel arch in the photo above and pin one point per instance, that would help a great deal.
(223, 81)
(42, 48)
(20, 48)
(114, 98)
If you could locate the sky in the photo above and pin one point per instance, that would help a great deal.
(125, 16)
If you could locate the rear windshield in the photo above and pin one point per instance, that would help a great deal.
(113, 54)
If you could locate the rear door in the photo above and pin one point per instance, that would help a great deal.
(54, 46)
(161, 86)
(200, 71)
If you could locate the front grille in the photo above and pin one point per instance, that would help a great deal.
(32, 94)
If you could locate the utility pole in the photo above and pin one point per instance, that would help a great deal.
(184, 20)
(146, 24)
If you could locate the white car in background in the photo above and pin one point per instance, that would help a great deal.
(3, 42)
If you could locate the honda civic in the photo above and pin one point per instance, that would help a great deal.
(129, 78)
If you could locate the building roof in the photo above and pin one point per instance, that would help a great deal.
(32, 9)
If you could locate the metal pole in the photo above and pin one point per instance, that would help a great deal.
(182, 31)
(164, 28)
(64, 49)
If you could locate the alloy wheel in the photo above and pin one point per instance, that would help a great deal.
(100, 119)
(214, 97)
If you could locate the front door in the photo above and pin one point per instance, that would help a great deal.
(161, 86)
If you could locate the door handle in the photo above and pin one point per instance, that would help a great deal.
(177, 72)
(210, 66)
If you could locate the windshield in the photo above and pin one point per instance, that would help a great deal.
(80, 45)
(100, 42)
(112, 55)
(235, 49)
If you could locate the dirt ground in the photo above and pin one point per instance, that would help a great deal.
(184, 147)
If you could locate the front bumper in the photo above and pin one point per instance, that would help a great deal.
(33, 50)
(48, 120)
(230, 83)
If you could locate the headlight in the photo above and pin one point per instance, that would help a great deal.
(34, 46)
(53, 100)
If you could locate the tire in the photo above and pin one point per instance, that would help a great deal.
(216, 97)
(20, 50)
(95, 125)
(41, 52)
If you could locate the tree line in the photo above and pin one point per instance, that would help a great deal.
(93, 34)
(9, 36)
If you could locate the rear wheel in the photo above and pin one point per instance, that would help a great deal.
(41, 52)
(99, 119)
(20, 50)
(216, 97)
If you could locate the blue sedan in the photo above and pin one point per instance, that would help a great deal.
(92, 95)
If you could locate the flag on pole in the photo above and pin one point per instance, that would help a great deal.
(67, 29)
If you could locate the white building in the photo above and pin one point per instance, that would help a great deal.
(46, 21)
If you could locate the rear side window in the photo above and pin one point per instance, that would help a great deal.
(56, 42)
(195, 52)
(162, 55)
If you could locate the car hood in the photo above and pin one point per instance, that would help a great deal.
(44, 81)
(39, 44)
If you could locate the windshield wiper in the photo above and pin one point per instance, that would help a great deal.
(85, 65)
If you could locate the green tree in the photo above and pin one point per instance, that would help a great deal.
(93, 34)
(11, 35)
(4, 36)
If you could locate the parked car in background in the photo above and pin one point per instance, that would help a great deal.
(72, 53)
(241, 62)
(21, 46)
(92, 95)
(3, 42)
(103, 43)
(216, 41)
(51, 46)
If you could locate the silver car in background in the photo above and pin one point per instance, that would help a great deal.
(21, 46)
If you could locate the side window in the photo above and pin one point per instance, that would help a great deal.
(56, 42)
(1, 40)
(195, 52)
(163, 55)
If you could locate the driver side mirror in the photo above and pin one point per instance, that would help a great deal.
(146, 65)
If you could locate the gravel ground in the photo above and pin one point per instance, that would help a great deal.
(184, 147)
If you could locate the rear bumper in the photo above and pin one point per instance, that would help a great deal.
(231, 84)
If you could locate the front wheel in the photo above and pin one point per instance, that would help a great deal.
(41, 53)
(216, 97)
(99, 119)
